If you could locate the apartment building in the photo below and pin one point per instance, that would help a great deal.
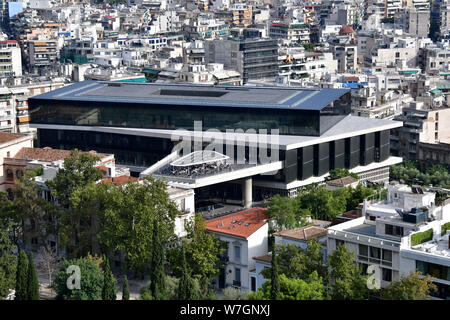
(243, 235)
(434, 59)
(7, 111)
(252, 58)
(346, 55)
(306, 65)
(419, 125)
(292, 32)
(10, 145)
(43, 56)
(440, 16)
(10, 59)
(404, 233)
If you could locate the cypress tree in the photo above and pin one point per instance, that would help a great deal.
(125, 290)
(157, 275)
(275, 284)
(22, 277)
(32, 281)
(186, 285)
(109, 283)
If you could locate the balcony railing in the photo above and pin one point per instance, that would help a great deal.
(347, 236)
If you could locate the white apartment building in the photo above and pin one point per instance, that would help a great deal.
(10, 144)
(244, 235)
(10, 59)
(389, 234)
(306, 65)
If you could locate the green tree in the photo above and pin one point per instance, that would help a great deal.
(285, 213)
(125, 289)
(130, 213)
(308, 261)
(22, 277)
(186, 286)
(412, 287)
(357, 195)
(346, 277)
(32, 281)
(9, 219)
(340, 173)
(8, 263)
(157, 274)
(321, 203)
(109, 283)
(292, 289)
(30, 206)
(203, 251)
(91, 280)
(79, 172)
(275, 284)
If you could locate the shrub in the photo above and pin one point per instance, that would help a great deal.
(91, 281)
(231, 293)
(421, 237)
(444, 228)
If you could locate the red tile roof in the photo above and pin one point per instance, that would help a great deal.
(252, 219)
(6, 137)
(265, 258)
(352, 78)
(119, 180)
(304, 233)
(345, 181)
(47, 154)
(346, 30)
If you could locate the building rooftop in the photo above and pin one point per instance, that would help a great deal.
(240, 224)
(119, 180)
(265, 258)
(345, 181)
(6, 137)
(303, 234)
(368, 230)
(197, 95)
(47, 154)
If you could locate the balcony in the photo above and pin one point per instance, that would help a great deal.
(236, 283)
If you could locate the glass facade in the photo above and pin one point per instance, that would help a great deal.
(128, 149)
(133, 115)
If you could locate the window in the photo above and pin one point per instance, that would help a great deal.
(375, 252)
(237, 252)
(237, 277)
(19, 173)
(386, 274)
(253, 283)
(393, 230)
(363, 250)
(387, 255)
(9, 175)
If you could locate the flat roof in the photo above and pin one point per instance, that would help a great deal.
(197, 95)
(368, 230)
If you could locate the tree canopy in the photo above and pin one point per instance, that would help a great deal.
(292, 289)
(91, 280)
(8, 263)
(412, 287)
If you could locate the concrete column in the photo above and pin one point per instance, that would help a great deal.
(247, 196)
